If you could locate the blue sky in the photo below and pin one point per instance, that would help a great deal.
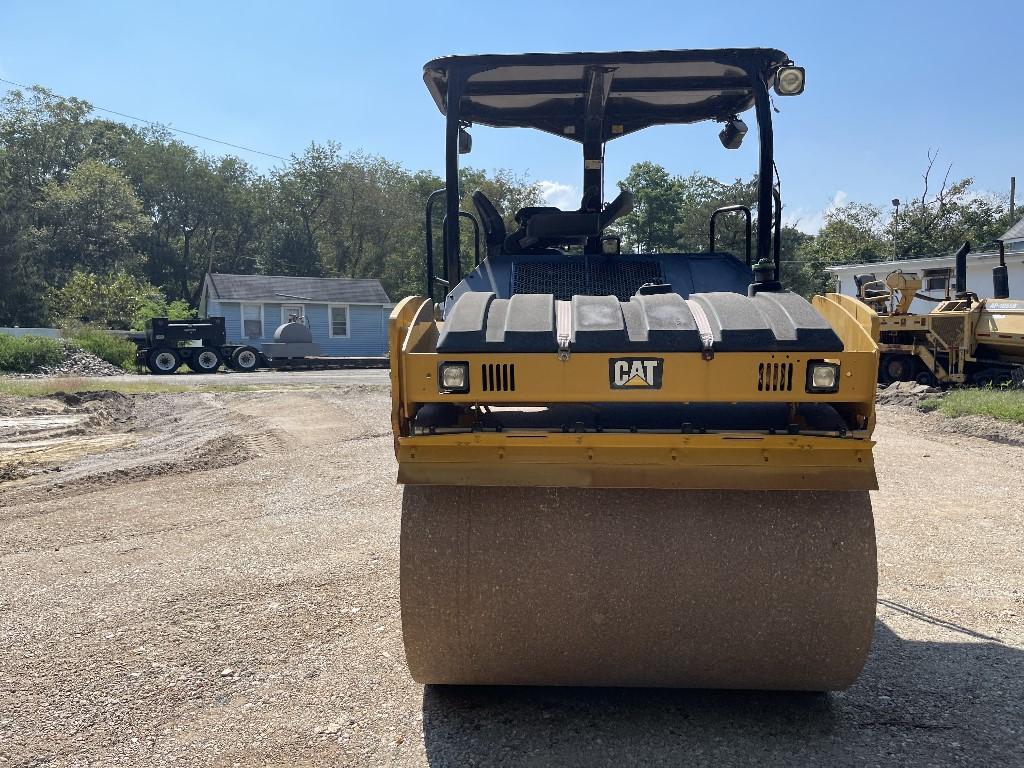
(886, 81)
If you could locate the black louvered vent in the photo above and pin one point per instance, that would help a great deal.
(775, 377)
(570, 277)
(498, 377)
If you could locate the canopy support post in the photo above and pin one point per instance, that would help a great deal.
(452, 260)
(766, 168)
(599, 83)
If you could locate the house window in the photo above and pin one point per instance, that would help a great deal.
(288, 311)
(339, 321)
(936, 279)
(252, 321)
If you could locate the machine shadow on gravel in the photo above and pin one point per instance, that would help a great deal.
(917, 703)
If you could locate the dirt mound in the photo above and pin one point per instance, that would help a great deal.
(73, 442)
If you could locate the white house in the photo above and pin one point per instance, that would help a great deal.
(935, 270)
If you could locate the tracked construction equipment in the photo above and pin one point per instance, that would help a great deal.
(628, 469)
(965, 339)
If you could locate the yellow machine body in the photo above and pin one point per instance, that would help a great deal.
(962, 341)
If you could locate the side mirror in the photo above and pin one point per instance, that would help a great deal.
(465, 142)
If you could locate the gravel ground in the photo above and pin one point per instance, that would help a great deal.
(262, 378)
(220, 588)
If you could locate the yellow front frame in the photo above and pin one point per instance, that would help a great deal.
(668, 460)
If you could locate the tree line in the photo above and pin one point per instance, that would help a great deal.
(672, 214)
(91, 207)
(104, 222)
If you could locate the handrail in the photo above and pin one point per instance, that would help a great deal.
(431, 277)
(429, 229)
(745, 210)
(476, 234)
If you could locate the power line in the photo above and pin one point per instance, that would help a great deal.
(161, 125)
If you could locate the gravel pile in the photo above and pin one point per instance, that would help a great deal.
(906, 393)
(77, 362)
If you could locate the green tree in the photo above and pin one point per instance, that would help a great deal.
(939, 220)
(118, 300)
(652, 225)
(853, 233)
(90, 221)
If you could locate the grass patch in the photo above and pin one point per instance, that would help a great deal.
(114, 349)
(1002, 404)
(23, 354)
(45, 387)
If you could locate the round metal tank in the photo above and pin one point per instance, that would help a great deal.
(293, 333)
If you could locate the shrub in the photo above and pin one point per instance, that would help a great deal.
(157, 306)
(23, 354)
(117, 300)
(114, 349)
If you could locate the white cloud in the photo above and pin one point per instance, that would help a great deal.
(564, 196)
(812, 221)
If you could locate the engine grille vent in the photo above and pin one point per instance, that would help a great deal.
(498, 377)
(950, 330)
(775, 377)
(570, 277)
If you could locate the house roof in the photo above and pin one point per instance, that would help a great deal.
(1016, 232)
(924, 262)
(344, 290)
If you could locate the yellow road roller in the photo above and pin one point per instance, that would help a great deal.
(627, 469)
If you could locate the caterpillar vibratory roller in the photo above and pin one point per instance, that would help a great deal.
(628, 469)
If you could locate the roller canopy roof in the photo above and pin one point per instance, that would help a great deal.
(551, 91)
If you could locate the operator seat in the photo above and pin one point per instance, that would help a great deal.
(870, 287)
(492, 222)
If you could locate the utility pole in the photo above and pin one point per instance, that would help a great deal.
(896, 228)
(1013, 193)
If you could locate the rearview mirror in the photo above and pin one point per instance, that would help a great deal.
(465, 142)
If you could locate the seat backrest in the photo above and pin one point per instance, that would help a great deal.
(862, 280)
(493, 224)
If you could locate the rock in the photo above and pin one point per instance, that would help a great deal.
(907, 393)
(227, 672)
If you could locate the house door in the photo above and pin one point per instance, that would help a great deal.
(288, 311)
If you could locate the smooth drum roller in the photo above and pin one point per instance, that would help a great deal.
(628, 469)
(624, 587)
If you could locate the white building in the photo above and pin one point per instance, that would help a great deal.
(935, 270)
